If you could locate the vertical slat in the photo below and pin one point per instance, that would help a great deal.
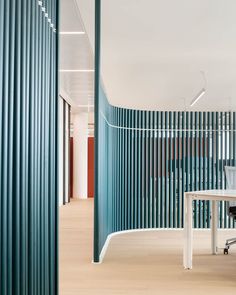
(158, 171)
(183, 168)
(222, 135)
(226, 162)
(192, 164)
(128, 170)
(171, 208)
(166, 152)
(134, 168)
(197, 151)
(124, 171)
(221, 159)
(2, 20)
(230, 158)
(174, 169)
(154, 163)
(191, 150)
(17, 175)
(208, 152)
(208, 156)
(217, 126)
(116, 163)
(126, 181)
(148, 170)
(142, 182)
(10, 163)
(139, 170)
(117, 172)
(38, 179)
(201, 203)
(204, 169)
(179, 171)
(120, 168)
(162, 171)
(187, 152)
(5, 148)
(96, 129)
(131, 174)
(144, 169)
(151, 165)
(213, 151)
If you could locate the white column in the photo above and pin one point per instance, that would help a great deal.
(80, 135)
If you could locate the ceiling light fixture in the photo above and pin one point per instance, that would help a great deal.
(72, 33)
(77, 71)
(82, 92)
(84, 105)
(202, 91)
(198, 96)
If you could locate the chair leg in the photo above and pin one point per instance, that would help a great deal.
(229, 242)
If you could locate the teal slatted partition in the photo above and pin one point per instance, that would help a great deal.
(146, 160)
(28, 147)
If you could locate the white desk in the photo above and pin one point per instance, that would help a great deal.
(210, 195)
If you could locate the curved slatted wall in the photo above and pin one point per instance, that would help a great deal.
(28, 136)
(146, 160)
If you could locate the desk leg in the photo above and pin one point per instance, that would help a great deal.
(214, 226)
(188, 232)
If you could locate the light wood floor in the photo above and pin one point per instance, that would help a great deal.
(139, 263)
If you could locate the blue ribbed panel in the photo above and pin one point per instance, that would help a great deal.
(147, 160)
(28, 147)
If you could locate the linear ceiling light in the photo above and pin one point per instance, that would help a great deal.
(198, 96)
(72, 33)
(84, 105)
(83, 92)
(77, 71)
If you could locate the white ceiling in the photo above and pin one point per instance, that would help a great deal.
(75, 54)
(153, 52)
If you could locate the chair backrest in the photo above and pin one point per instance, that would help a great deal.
(230, 173)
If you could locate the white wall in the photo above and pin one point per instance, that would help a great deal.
(80, 135)
(61, 151)
(66, 147)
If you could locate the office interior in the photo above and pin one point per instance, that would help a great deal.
(117, 147)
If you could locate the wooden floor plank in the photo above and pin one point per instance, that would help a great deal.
(139, 263)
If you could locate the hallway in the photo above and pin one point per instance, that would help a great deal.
(139, 263)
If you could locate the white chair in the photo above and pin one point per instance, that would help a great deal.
(230, 173)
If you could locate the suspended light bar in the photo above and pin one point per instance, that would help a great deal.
(72, 33)
(198, 96)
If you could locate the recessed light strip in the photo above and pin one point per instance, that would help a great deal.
(77, 71)
(72, 33)
(84, 105)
